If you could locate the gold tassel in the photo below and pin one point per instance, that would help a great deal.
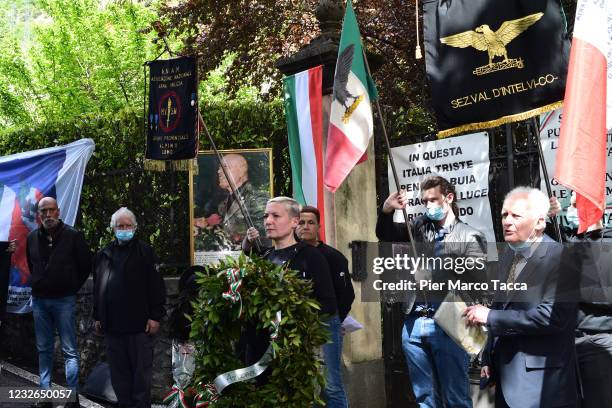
(501, 121)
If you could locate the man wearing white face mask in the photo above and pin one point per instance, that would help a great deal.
(530, 354)
(437, 366)
(129, 297)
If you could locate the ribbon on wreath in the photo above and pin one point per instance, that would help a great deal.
(208, 396)
(212, 392)
(175, 398)
(234, 278)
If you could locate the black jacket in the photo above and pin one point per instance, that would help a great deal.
(311, 264)
(60, 267)
(338, 267)
(129, 294)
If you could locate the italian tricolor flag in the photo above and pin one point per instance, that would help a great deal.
(303, 109)
(581, 158)
(351, 123)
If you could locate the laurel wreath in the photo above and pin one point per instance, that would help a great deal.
(240, 291)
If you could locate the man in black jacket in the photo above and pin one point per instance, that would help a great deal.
(308, 232)
(129, 298)
(59, 261)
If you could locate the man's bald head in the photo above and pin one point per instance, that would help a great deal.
(237, 165)
(48, 212)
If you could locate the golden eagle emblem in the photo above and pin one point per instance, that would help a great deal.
(493, 42)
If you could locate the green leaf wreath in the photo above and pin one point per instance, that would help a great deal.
(221, 311)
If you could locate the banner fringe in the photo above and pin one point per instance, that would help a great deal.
(172, 165)
(501, 121)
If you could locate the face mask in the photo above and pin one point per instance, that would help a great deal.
(572, 217)
(436, 213)
(124, 235)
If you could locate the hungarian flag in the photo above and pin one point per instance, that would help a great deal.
(581, 158)
(350, 123)
(304, 112)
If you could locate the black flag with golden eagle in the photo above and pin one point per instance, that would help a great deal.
(172, 116)
(491, 62)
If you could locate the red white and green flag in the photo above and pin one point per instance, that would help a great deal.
(304, 114)
(351, 123)
(587, 111)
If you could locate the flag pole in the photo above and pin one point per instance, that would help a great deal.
(391, 160)
(536, 130)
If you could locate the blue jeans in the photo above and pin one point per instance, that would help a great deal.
(332, 354)
(438, 367)
(51, 314)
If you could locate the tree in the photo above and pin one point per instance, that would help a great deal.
(82, 57)
(261, 31)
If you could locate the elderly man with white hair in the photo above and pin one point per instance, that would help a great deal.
(129, 297)
(530, 355)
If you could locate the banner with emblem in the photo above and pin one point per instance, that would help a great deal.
(493, 62)
(173, 111)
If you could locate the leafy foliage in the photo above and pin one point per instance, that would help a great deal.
(82, 58)
(295, 372)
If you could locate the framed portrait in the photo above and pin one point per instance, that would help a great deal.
(217, 220)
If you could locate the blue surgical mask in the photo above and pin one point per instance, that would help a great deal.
(124, 235)
(436, 213)
(519, 246)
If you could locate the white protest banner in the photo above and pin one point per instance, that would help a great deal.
(550, 125)
(463, 161)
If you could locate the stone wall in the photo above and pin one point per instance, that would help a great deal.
(17, 341)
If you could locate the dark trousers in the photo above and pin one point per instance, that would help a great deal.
(130, 357)
(595, 362)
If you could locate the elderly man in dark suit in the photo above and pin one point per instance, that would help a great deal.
(530, 354)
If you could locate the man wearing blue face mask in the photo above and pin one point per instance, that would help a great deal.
(530, 354)
(437, 366)
(129, 297)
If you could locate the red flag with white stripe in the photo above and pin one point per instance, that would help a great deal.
(581, 158)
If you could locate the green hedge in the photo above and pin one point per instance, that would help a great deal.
(115, 175)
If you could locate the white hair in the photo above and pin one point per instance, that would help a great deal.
(539, 203)
(120, 212)
(292, 206)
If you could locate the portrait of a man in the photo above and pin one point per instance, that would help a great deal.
(219, 224)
